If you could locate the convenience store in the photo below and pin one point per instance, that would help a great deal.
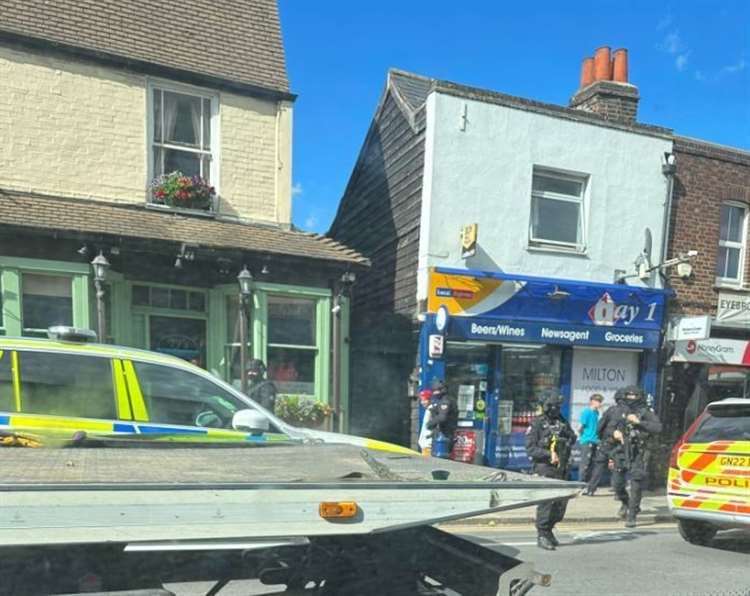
(502, 342)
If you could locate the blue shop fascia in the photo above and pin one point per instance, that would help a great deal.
(503, 342)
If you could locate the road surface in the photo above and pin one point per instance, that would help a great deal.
(651, 560)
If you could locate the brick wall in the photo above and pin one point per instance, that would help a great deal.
(707, 175)
(77, 129)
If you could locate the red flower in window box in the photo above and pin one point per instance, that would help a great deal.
(177, 190)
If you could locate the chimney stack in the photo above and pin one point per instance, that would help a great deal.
(605, 89)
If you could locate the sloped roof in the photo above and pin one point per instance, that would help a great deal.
(236, 40)
(138, 222)
(414, 89)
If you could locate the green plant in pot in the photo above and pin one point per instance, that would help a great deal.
(178, 190)
(301, 410)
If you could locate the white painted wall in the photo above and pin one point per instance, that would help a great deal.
(483, 174)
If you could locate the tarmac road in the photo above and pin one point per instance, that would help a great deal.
(599, 559)
(650, 560)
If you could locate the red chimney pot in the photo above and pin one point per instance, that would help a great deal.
(620, 68)
(602, 65)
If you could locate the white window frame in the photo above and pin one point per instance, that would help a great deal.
(214, 153)
(734, 282)
(545, 243)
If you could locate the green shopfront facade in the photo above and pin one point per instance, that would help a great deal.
(191, 312)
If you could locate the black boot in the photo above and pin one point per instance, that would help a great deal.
(552, 538)
(623, 512)
(544, 542)
(630, 523)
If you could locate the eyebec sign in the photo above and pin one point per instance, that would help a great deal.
(720, 351)
(733, 309)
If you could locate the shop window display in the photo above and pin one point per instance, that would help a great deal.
(529, 373)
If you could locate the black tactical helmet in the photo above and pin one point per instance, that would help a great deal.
(633, 390)
(438, 387)
(552, 402)
(256, 366)
(619, 395)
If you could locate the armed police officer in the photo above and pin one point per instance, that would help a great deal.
(443, 420)
(260, 389)
(627, 429)
(549, 440)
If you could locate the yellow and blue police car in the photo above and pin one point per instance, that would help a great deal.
(708, 486)
(68, 388)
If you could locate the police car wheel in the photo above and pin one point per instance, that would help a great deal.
(696, 532)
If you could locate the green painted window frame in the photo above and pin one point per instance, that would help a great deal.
(259, 327)
(11, 271)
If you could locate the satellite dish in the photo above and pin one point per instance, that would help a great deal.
(643, 263)
(647, 242)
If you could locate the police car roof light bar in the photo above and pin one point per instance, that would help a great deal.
(73, 334)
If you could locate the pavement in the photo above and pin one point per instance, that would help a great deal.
(601, 508)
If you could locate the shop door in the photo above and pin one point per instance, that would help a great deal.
(469, 372)
(527, 374)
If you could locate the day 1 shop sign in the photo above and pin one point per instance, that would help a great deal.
(722, 351)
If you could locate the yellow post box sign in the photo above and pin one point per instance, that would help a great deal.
(469, 235)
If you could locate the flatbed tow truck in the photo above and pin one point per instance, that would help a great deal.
(319, 519)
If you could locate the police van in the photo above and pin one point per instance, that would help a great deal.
(709, 472)
(68, 388)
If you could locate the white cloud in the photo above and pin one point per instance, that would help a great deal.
(296, 189)
(664, 23)
(738, 66)
(673, 43)
(675, 46)
(311, 222)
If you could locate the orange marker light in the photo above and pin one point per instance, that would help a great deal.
(338, 509)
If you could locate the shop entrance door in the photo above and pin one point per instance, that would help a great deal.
(469, 373)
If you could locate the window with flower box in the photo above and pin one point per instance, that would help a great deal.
(183, 136)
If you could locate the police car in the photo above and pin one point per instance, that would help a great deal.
(69, 389)
(709, 472)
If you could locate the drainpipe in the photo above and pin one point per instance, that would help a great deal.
(341, 289)
(668, 168)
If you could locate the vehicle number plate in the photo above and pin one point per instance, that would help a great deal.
(735, 460)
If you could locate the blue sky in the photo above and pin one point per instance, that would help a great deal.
(689, 59)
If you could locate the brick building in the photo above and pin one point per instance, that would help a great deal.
(95, 103)
(711, 199)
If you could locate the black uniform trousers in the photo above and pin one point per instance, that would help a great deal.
(636, 467)
(600, 463)
(551, 512)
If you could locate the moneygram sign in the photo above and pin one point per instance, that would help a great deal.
(719, 351)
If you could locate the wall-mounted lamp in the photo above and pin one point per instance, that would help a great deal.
(558, 294)
(669, 165)
(685, 270)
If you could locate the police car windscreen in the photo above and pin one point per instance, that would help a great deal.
(728, 423)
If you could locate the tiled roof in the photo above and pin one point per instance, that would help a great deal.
(415, 88)
(138, 222)
(236, 40)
